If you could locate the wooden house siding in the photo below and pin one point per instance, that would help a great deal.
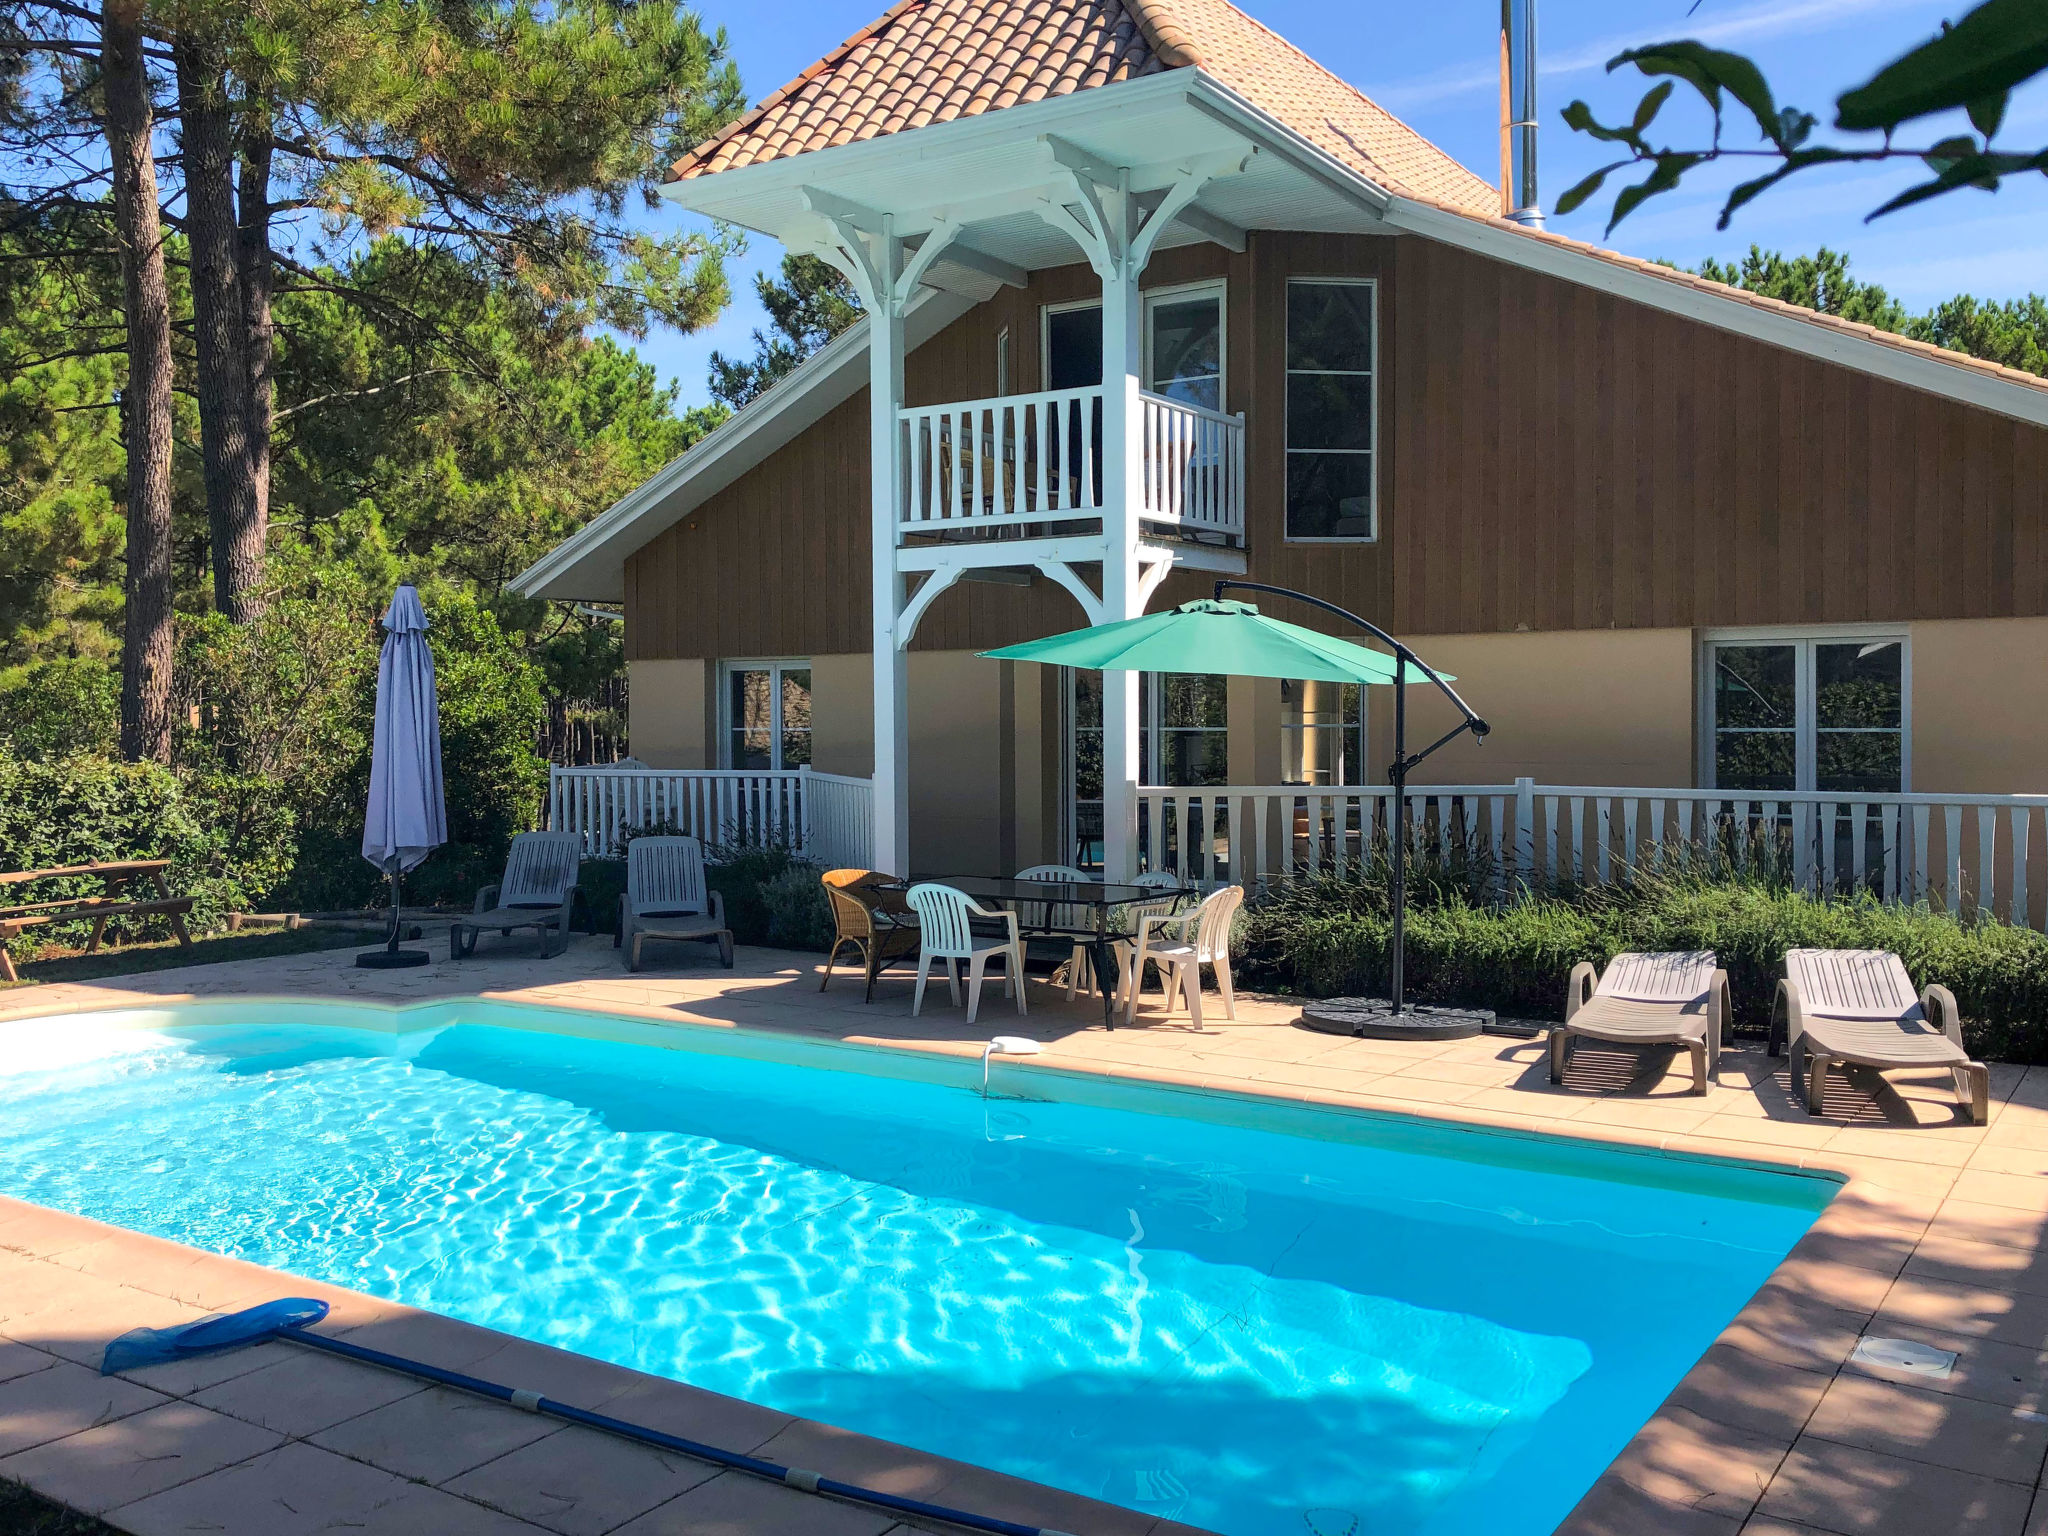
(1551, 458)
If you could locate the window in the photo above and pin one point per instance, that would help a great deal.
(1073, 346)
(1191, 745)
(1322, 733)
(1003, 361)
(1184, 345)
(767, 714)
(1824, 713)
(1331, 433)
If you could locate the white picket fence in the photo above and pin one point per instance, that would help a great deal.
(1983, 852)
(825, 817)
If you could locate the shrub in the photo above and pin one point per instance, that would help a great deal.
(61, 708)
(227, 839)
(1329, 936)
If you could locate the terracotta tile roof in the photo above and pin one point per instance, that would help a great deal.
(932, 61)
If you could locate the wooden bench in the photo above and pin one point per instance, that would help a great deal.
(100, 909)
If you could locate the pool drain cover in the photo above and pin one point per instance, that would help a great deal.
(1905, 1355)
(1373, 1018)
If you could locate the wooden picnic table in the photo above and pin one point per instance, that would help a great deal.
(118, 875)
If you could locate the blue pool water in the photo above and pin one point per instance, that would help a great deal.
(1258, 1333)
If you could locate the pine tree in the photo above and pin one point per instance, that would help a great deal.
(1820, 281)
(146, 402)
(812, 303)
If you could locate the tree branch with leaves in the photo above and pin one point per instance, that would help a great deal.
(1971, 67)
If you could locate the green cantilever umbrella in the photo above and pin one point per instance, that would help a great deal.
(1220, 636)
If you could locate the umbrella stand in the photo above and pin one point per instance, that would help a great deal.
(1404, 761)
(391, 957)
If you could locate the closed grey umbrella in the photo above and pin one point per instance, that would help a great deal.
(407, 818)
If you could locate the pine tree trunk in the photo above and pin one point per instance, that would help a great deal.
(146, 402)
(219, 326)
(259, 280)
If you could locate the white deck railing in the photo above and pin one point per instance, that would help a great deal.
(822, 816)
(1005, 460)
(1193, 466)
(1963, 852)
(1016, 459)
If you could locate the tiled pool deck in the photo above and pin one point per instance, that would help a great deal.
(1937, 1237)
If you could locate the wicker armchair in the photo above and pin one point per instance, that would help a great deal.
(877, 923)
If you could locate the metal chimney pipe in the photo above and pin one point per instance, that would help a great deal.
(1518, 196)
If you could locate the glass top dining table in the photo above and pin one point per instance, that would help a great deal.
(1098, 897)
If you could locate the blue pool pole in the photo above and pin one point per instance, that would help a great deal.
(291, 1320)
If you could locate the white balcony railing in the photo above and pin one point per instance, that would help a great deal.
(1016, 458)
(980, 465)
(1986, 853)
(821, 816)
(1193, 466)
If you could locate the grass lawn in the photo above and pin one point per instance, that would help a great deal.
(24, 1512)
(249, 944)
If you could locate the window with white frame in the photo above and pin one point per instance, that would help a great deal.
(1189, 746)
(1332, 431)
(1183, 341)
(1322, 733)
(765, 714)
(1184, 344)
(1824, 712)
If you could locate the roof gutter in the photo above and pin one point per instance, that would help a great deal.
(2014, 398)
(1499, 239)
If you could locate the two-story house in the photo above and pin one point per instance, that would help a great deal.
(1153, 297)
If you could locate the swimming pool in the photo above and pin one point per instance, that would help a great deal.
(1267, 1321)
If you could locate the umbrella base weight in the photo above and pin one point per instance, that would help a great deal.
(1373, 1018)
(392, 959)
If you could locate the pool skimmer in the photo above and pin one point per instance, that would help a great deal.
(1905, 1355)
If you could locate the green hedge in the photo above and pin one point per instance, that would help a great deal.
(228, 840)
(1329, 937)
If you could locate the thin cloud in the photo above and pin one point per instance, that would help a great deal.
(1755, 24)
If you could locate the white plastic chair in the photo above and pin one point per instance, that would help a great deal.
(1134, 915)
(1065, 915)
(1180, 945)
(945, 919)
(666, 898)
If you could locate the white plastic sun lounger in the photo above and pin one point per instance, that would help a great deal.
(1680, 998)
(1857, 1006)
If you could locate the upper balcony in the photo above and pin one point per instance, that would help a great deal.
(1030, 466)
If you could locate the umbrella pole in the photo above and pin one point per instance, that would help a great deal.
(391, 947)
(1397, 831)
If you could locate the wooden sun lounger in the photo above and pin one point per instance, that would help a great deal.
(1857, 1007)
(1644, 999)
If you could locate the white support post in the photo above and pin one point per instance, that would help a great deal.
(1093, 203)
(863, 244)
(1122, 499)
(892, 676)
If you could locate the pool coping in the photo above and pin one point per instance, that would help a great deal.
(1733, 1446)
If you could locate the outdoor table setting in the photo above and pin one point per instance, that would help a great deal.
(1045, 896)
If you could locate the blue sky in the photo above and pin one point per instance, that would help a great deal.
(1434, 65)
